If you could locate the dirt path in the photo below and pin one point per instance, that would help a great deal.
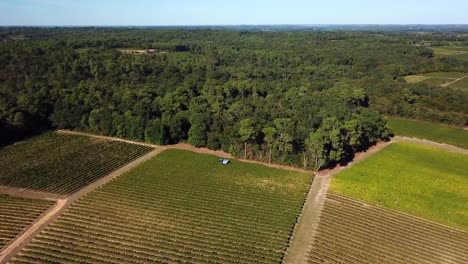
(301, 241)
(30, 194)
(63, 204)
(432, 144)
(188, 147)
(454, 81)
(76, 133)
(306, 227)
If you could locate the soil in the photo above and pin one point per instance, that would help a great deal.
(30, 194)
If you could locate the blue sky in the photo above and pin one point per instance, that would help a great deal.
(220, 12)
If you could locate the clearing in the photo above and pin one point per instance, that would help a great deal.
(444, 79)
(423, 181)
(440, 133)
(62, 164)
(459, 52)
(179, 207)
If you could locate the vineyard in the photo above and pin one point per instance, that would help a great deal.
(419, 180)
(456, 136)
(178, 207)
(62, 164)
(351, 231)
(16, 214)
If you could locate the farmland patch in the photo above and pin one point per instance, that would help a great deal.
(62, 164)
(16, 214)
(423, 181)
(179, 207)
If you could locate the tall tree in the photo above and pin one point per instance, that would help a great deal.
(247, 132)
(271, 135)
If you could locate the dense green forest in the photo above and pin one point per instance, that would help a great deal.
(308, 99)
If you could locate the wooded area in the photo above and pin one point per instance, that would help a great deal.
(308, 99)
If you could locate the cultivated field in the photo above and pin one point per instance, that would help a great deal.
(351, 231)
(16, 214)
(423, 181)
(459, 52)
(446, 79)
(62, 164)
(435, 132)
(178, 207)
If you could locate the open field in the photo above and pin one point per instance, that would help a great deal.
(179, 207)
(133, 51)
(446, 79)
(423, 181)
(436, 132)
(62, 164)
(351, 231)
(460, 52)
(16, 214)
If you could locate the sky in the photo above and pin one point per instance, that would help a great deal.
(233, 12)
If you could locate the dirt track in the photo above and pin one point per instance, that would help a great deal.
(63, 204)
(301, 241)
(23, 193)
(188, 147)
(456, 80)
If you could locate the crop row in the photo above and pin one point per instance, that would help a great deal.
(16, 214)
(172, 211)
(62, 164)
(351, 231)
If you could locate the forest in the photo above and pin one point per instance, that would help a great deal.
(308, 99)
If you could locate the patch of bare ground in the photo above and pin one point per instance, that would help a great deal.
(30, 194)
(62, 204)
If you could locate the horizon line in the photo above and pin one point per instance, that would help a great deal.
(234, 25)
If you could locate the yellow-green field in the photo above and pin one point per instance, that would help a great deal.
(423, 181)
(456, 136)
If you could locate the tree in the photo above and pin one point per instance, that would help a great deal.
(271, 135)
(315, 148)
(247, 133)
(284, 126)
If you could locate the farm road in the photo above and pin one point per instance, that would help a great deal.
(302, 239)
(454, 81)
(30, 194)
(63, 204)
(183, 146)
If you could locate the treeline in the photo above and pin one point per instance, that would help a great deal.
(306, 99)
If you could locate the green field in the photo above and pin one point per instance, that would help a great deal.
(179, 207)
(423, 181)
(460, 52)
(62, 164)
(16, 214)
(435, 132)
